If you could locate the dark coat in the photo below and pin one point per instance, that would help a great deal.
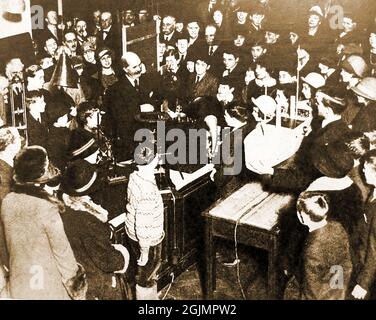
(366, 277)
(90, 241)
(122, 103)
(37, 132)
(301, 171)
(112, 41)
(324, 248)
(365, 120)
(208, 86)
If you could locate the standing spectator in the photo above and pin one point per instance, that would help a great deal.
(35, 235)
(85, 224)
(327, 245)
(144, 223)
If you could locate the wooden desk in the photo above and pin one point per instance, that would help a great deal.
(255, 213)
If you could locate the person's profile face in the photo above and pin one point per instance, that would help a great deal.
(346, 76)
(38, 80)
(52, 17)
(348, 24)
(306, 91)
(369, 174)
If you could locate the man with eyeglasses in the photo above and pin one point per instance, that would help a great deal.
(123, 101)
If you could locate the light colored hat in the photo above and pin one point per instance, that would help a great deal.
(356, 65)
(316, 10)
(315, 80)
(266, 105)
(366, 88)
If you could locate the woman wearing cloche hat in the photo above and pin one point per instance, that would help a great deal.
(89, 234)
(35, 235)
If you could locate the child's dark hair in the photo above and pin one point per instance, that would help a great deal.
(320, 200)
(235, 110)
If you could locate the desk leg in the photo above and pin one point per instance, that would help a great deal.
(210, 267)
(272, 270)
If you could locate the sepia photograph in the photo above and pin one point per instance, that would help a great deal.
(188, 150)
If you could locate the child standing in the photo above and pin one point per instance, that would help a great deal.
(144, 223)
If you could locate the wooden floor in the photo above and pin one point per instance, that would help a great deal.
(253, 278)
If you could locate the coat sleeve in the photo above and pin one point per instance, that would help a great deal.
(97, 244)
(60, 246)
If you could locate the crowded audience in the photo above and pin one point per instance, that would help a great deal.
(230, 66)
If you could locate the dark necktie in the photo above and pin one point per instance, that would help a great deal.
(197, 79)
(137, 84)
(211, 50)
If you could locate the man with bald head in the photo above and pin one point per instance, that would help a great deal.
(123, 101)
(109, 35)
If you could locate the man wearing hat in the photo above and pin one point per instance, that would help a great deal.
(365, 120)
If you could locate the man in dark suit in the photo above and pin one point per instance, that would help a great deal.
(234, 70)
(201, 82)
(108, 36)
(50, 31)
(37, 126)
(168, 35)
(123, 101)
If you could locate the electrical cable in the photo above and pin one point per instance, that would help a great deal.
(169, 286)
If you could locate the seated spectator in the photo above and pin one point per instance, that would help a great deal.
(85, 224)
(326, 246)
(45, 239)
